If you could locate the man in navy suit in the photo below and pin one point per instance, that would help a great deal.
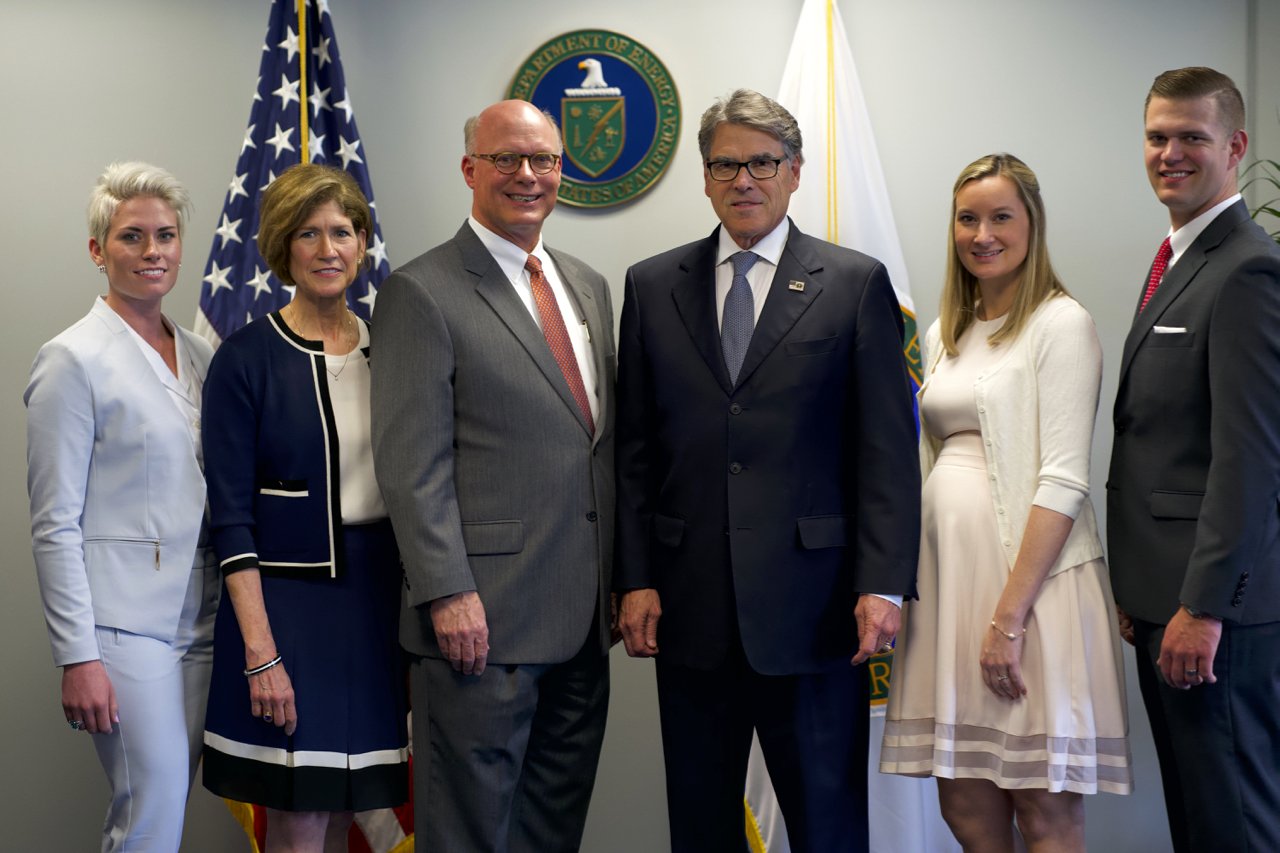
(1192, 515)
(768, 495)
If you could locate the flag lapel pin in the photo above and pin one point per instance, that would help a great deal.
(797, 286)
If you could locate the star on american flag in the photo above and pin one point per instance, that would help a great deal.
(237, 284)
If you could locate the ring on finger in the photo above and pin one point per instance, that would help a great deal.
(1192, 673)
(76, 725)
(1002, 678)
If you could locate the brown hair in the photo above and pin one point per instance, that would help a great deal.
(293, 197)
(1197, 81)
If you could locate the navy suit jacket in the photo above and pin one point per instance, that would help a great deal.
(761, 510)
(1192, 512)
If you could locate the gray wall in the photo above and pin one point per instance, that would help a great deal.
(1060, 84)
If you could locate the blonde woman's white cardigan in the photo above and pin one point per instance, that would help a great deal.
(1036, 408)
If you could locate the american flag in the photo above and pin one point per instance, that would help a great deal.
(301, 112)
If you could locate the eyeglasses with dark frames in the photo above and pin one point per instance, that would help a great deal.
(761, 168)
(508, 162)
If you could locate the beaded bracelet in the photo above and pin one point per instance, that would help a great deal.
(1006, 634)
(275, 661)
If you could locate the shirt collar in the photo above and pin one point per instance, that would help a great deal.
(1181, 239)
(510, 257)
(769, 247)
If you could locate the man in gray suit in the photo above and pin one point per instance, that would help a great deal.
(493, 424)
(1192, 522)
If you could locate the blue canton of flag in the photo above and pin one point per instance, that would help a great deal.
(237, 285)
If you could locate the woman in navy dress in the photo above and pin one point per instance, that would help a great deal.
(307, 707)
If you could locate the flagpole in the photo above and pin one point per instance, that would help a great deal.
(833, 183)
(304, 144)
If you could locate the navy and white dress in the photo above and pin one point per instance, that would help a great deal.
(292, 494)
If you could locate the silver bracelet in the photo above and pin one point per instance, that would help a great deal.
(1006, 634)
(275, 661)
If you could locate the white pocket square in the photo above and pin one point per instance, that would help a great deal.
(1168, 330)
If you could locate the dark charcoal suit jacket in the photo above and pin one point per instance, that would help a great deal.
(764, 509)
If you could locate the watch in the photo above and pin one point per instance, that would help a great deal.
(1197, 614)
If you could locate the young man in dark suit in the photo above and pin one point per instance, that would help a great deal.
(1192, 514)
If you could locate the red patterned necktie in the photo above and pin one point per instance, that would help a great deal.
(1157, 272)
(558, 337)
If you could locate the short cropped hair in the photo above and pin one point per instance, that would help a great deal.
(1184, 84)
(472, 127)
(752, 109)
(120, 182)
(1037, 281)
(293, 197)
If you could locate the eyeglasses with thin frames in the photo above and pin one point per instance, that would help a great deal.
(508, 162)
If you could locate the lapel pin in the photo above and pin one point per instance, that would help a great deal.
(797, 286)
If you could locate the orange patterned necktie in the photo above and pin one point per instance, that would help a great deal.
(1157, 272)
(557, 336)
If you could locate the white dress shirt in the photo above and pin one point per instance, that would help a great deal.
(511, 259)
(1181, 239)
(760, 276)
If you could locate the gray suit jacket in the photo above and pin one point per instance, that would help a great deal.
(483, 458)
(1192, 512)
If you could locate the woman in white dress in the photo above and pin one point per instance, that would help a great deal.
(1008, 684)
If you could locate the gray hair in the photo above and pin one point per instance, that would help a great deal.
(472, 127)
(752, 109)
(120, 182)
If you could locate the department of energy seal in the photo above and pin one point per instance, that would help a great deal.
(617, 107)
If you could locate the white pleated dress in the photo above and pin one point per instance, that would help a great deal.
(1070, 732)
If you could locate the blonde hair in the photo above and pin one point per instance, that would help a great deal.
(1037, 280)
(120, 182)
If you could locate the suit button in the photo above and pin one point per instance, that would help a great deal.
(735, 468)
(735, 409)
(1244, 576)
(591, 516)
(1237, 601)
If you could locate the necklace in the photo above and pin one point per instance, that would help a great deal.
(336, 373)
(348, 331)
